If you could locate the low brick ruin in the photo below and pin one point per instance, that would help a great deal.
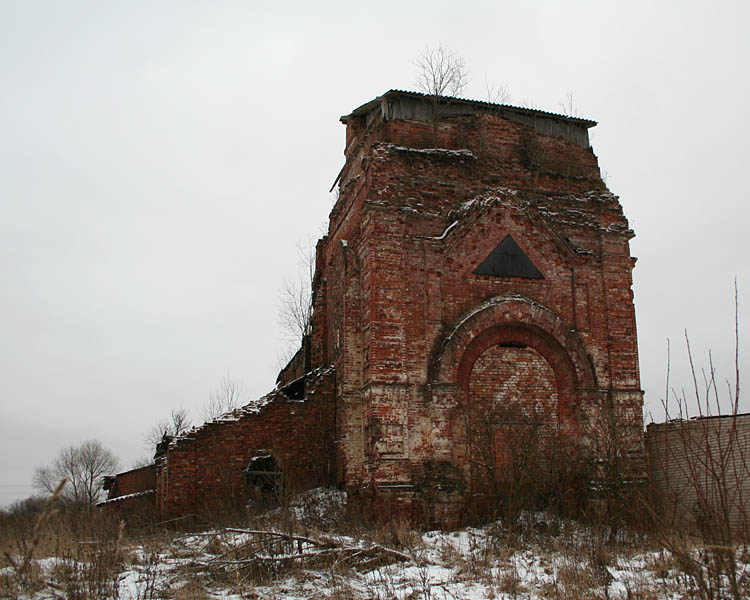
(475, 263)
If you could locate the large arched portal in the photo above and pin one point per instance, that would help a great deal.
(511, 418)
(512, 379)
(512, 383)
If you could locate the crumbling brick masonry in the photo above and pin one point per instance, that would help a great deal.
(474, 261)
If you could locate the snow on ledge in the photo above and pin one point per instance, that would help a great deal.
(126, 497)
(251, 408)
(442, 152)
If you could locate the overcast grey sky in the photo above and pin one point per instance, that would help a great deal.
(160, 161)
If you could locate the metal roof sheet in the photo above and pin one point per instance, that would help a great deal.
(366, 107)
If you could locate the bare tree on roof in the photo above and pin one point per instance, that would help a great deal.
(440, 72)
(568, 106)
(176, 424)
(225, 398)
(497, 93)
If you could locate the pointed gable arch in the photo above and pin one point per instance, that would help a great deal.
(478, 232)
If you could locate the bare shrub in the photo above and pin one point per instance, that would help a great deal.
(497, 93)
(523, 464)
(22, 574)
(568, 106)
(93, 570)
(192, 590)
(228, 396)
(86, 544)
(615, 445)
(176, 424)
(295, 304)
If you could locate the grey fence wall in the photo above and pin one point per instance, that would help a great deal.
(700, 472)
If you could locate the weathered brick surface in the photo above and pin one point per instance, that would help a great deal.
(201, 472)
(411, 329)
(133, 481)
(414, 336)
(133, 493)
(506, 376)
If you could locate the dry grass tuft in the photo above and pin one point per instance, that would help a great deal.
(192, 590)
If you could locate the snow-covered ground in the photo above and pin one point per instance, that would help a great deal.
(297, 553)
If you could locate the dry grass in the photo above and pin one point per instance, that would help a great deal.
(543, 556)
(192, 590)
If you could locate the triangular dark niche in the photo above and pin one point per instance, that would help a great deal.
(508, 260)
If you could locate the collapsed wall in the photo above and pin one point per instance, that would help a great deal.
(474, 284)
(219, 466)
(131, 493)
(254, 455)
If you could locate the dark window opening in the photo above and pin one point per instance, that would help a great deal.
(263, 479)
(512, 345)
(295, 390)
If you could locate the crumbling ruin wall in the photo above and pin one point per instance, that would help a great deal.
(474, 262)
(131, 482)
(205, 470)
(132, 493)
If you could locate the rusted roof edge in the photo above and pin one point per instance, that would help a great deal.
(368, 106)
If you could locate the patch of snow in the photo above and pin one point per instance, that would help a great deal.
(126, 496)
(547, 557)
(445, 152)
(446, 232)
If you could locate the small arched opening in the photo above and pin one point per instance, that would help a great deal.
(264, 479)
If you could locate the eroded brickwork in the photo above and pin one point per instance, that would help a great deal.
(416, 336)
(202, 471)
(410, 327)
(132, 493)
(505, 376)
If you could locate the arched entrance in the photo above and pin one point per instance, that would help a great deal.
(511, 419)
(511, 376)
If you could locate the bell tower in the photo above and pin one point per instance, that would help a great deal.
(473, 291)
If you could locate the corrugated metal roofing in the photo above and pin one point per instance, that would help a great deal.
(478, 103)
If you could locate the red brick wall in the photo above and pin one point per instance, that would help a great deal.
(134, 481)
(294, 369)
(503, 377)
(421, 205)
(411, 332)
(202, 472)
(133, 494)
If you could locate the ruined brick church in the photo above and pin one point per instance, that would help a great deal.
(475, 280)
